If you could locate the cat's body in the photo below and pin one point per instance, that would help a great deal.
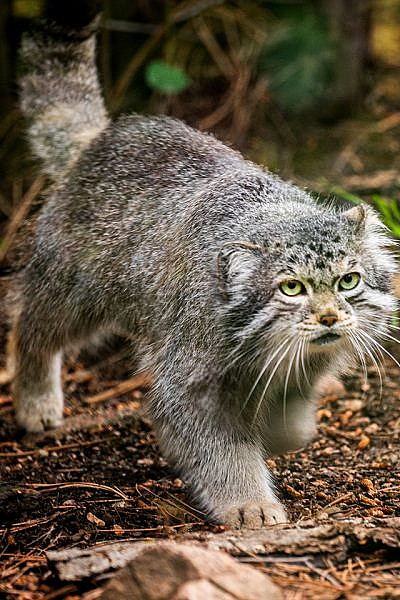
(163, 234)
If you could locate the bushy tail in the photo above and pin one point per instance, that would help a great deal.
(60, 93)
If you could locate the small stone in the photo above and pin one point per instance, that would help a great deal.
(188, 572)
(372, 428)
(345, 417)
(324, 413)
(328, 451)
(353, 405)
(145, 462)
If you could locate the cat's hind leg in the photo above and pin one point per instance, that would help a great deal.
(36, 358)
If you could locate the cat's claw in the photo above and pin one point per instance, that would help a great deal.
(255, 514)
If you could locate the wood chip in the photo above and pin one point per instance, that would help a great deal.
(364, 442)
(368, 486)
(95, 520)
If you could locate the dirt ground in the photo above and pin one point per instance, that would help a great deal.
(101, 478)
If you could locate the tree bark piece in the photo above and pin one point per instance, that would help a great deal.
(337, 538)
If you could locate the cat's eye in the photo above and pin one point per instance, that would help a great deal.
(349, 281)
(292, 287)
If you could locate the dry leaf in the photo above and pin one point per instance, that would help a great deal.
(95, 520)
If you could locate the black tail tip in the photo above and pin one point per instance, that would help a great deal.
(76, 18)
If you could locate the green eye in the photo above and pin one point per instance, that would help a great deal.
(349, 281)
(292, 287)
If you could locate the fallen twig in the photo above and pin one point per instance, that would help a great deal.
(20, 214)
(130, 385)
(49, 449)
(50, 487)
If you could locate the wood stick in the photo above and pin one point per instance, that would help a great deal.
(20, 214)
(140, 380)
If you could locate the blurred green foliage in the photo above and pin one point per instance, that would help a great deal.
(28, 9)
(345, 195)
(299, 59)
(166, 78)
(390, 212)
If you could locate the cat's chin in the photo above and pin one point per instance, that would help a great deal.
(326, 342)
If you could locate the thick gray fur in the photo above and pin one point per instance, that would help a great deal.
(164, 234)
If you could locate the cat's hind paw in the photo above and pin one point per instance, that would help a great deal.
(37, 414)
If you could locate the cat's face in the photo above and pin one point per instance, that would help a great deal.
(335, 309)
(323, 288)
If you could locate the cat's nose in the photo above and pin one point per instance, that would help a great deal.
(328, 319)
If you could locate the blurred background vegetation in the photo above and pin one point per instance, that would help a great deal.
(310, 88)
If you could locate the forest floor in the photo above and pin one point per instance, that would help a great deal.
(101, 478)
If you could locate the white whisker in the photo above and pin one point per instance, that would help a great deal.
(297, 367)
(372, 357)
(385, 350)
(289, 369)
(303, 348)
(262, 373)
(388, 336)
(269, 380)
(356, 345)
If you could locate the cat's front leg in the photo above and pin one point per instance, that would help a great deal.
(237, 489)
(224, 469)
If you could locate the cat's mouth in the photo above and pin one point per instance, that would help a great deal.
(327, 338)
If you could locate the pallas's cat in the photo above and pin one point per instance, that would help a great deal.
(240, 290)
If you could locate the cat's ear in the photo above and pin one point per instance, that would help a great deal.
(364, 219)
(236, 262)
(357, 216)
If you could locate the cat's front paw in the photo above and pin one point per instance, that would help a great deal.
(254, 515)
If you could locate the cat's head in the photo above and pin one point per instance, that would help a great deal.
(318, 283)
